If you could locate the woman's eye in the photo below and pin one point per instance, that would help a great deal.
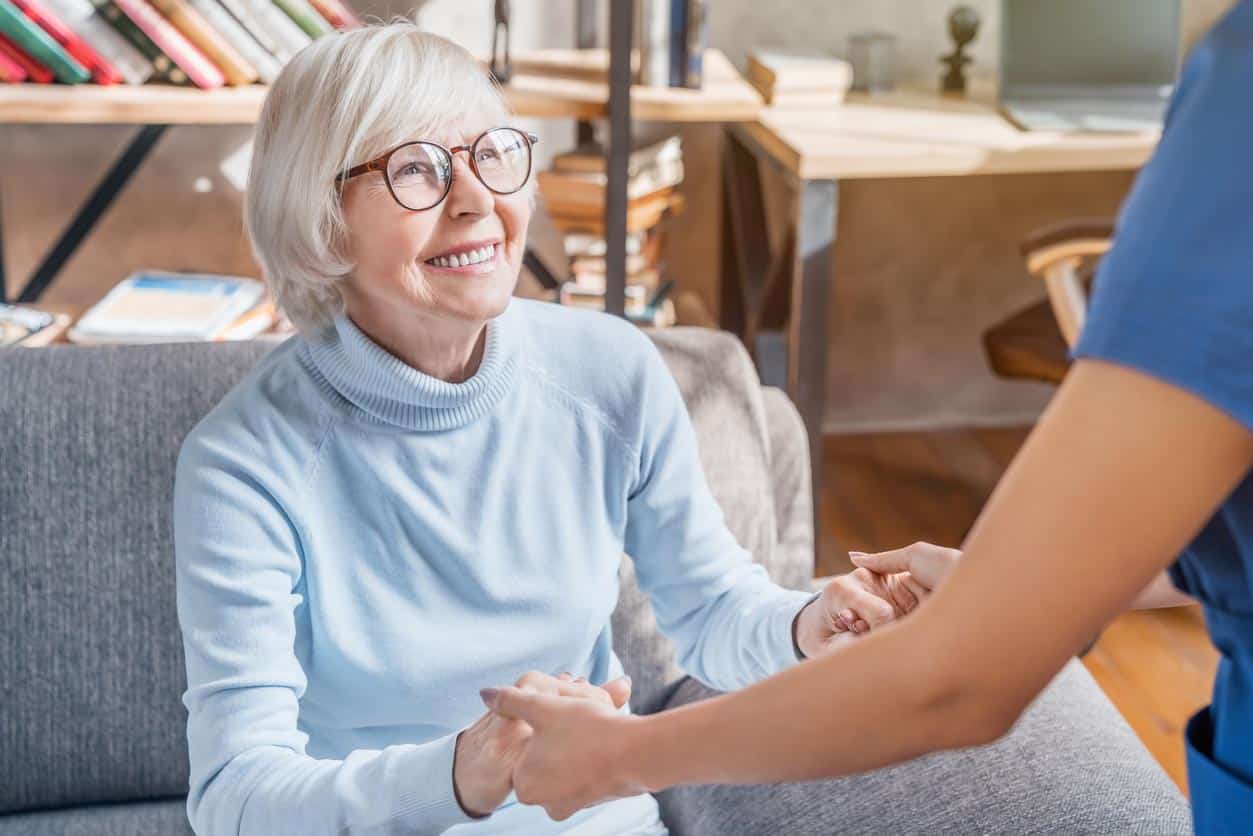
(487, 156)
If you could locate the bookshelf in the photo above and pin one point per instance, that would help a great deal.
(549, 84)
(553, 84)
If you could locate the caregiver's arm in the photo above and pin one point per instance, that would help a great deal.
(1041, 574)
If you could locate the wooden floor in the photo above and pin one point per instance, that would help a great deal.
(889, 490)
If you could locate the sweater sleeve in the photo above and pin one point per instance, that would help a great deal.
(239, 564)
(730, 623)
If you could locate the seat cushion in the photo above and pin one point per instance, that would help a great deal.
(1070, 765)
(145, 818)
(89, 644)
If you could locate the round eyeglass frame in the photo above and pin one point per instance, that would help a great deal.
(380, 164)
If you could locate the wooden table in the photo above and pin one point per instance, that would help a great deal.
(778, 300)
(546, 84)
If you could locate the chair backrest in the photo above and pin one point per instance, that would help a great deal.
(91, 653)
(1058, 255)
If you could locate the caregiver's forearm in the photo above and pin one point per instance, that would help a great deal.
(1038, 579)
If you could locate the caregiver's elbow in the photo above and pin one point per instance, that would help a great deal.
(969, 710)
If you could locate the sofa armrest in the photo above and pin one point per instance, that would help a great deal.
(792, 488)
(1070, 765)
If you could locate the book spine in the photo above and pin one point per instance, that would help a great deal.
(248, 18)
(654, 38)
(678, 42)
(305, 16)
(163, 66)
(80, 16)
(282, 28)
(337, 13)
(697, 39)
(35, 71)
(266, 65)
(11, 72)
(208, 40)
(202, 72)
(101, 70)
(40, 46)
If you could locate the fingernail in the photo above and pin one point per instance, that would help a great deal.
(580, 679)
(857, 554)
(628, 679)
(488, 696)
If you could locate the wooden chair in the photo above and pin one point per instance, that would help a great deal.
(1034, 344)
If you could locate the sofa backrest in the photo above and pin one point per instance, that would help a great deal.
(90, 649)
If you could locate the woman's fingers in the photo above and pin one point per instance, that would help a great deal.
(619, 691)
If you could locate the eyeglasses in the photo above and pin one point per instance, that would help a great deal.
(419, 174)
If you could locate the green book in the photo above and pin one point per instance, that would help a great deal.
(306, 17)
(39, 44)
(165, 68)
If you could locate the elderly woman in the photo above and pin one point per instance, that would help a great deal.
(428, 491)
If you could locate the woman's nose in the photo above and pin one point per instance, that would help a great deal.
(468, 195)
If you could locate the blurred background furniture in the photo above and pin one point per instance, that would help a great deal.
(776, 289)
(1035, 343)
(92, 737)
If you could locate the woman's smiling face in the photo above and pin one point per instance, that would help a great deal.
(406, 259)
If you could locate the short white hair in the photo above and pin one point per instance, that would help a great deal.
(346, 98)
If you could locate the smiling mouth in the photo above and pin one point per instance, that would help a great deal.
(465, 258)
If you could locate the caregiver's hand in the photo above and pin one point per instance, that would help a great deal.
(926, 564)
(488, 750)
(854, 603)
(571, 760)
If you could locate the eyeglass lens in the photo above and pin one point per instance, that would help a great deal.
(420, 172)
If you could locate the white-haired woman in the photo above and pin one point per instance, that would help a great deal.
(428, 490)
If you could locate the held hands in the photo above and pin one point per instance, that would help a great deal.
(566, 754)
(884, 587)
(488, 751)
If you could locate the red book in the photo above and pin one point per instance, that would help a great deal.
(337, 13)
(101, 70)
(35, 71)
(202, 72)
(11, 72)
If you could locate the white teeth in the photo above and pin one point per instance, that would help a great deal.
(467, 258)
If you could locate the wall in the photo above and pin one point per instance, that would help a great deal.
(922, 267)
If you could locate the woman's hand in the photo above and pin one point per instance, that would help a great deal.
(488, 750)
(855, 603)
(928, 565)
(574, 758)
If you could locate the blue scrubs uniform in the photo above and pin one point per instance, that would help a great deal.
(1174, 299)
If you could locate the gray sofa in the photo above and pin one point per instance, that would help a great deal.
(91, 723)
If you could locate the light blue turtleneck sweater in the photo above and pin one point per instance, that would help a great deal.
(362, 547)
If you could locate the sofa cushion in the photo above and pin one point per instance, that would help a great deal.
(89, 644)
(1070, 765)
(141, 818)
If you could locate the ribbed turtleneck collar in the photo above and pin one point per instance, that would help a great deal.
(389, 390)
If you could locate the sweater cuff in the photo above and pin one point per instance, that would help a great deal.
(786, 653)
(431, 807)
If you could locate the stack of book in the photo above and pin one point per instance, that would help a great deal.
(574, 195)
(150, 307)
(30, 327)
(671, 36)
(206, 43)
(799, 80)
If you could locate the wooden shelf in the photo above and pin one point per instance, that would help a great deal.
(546, 84)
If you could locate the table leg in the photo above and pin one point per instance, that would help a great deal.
(812, 272)
(777, 302)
